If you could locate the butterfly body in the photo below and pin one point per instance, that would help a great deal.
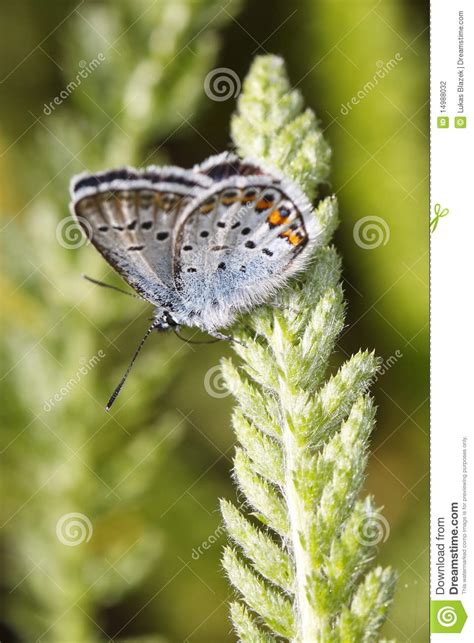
(201, 245)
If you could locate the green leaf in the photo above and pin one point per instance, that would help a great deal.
(267, 557)
(275, 609)
(265, 453)
(252, 402)
(335, 398)
(247, 630)
(368, 610)
(353, 550)
(261, 495)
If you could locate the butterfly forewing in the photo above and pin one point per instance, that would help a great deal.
(130, 215)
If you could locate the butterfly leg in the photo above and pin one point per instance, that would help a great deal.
(279, 306)
(227, 338)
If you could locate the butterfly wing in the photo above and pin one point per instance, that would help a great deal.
(223, 166)
(239, 242)
(129, 216)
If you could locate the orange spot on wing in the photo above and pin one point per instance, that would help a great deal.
(295, 238)
(263, 204)
(276, 218)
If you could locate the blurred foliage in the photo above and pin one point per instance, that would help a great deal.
(145, 103)
(70, 464)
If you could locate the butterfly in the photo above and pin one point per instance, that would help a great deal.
(201, 245)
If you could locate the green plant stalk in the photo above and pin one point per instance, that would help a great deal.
(305, 570)
(311, 622)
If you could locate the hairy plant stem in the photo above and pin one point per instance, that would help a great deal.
(308, 623)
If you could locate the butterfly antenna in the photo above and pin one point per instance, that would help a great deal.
(114, 395)
(104, 285)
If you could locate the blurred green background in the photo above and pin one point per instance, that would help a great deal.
(141, 562)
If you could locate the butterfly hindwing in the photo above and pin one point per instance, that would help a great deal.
(129, 216)
(238, 242)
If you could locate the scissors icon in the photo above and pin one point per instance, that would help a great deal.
(439, 214)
